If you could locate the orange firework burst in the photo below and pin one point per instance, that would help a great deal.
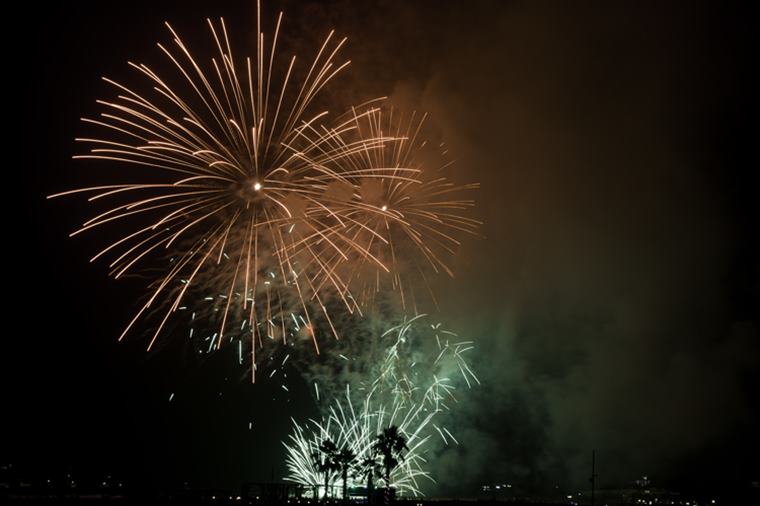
(409, 217)
(252, 194)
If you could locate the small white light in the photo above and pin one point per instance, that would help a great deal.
(384, 208)
(257, 186)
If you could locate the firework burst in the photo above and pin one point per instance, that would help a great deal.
(410, 387)
(356, 430)
(409, 227)
(252, 194)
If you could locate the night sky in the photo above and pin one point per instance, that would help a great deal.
(613, 297)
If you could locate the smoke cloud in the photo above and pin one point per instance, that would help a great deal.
(601, 297)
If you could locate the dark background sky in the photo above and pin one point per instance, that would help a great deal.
(614, 297)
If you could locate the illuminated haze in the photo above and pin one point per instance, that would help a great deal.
(613, 297)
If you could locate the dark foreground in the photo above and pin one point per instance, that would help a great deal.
(737, 500)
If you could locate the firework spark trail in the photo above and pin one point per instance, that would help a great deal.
(396, 355)
(420, 370)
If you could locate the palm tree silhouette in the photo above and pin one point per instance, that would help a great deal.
(390, 443)
(325, 460)
(344, 460)
(367, 468)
